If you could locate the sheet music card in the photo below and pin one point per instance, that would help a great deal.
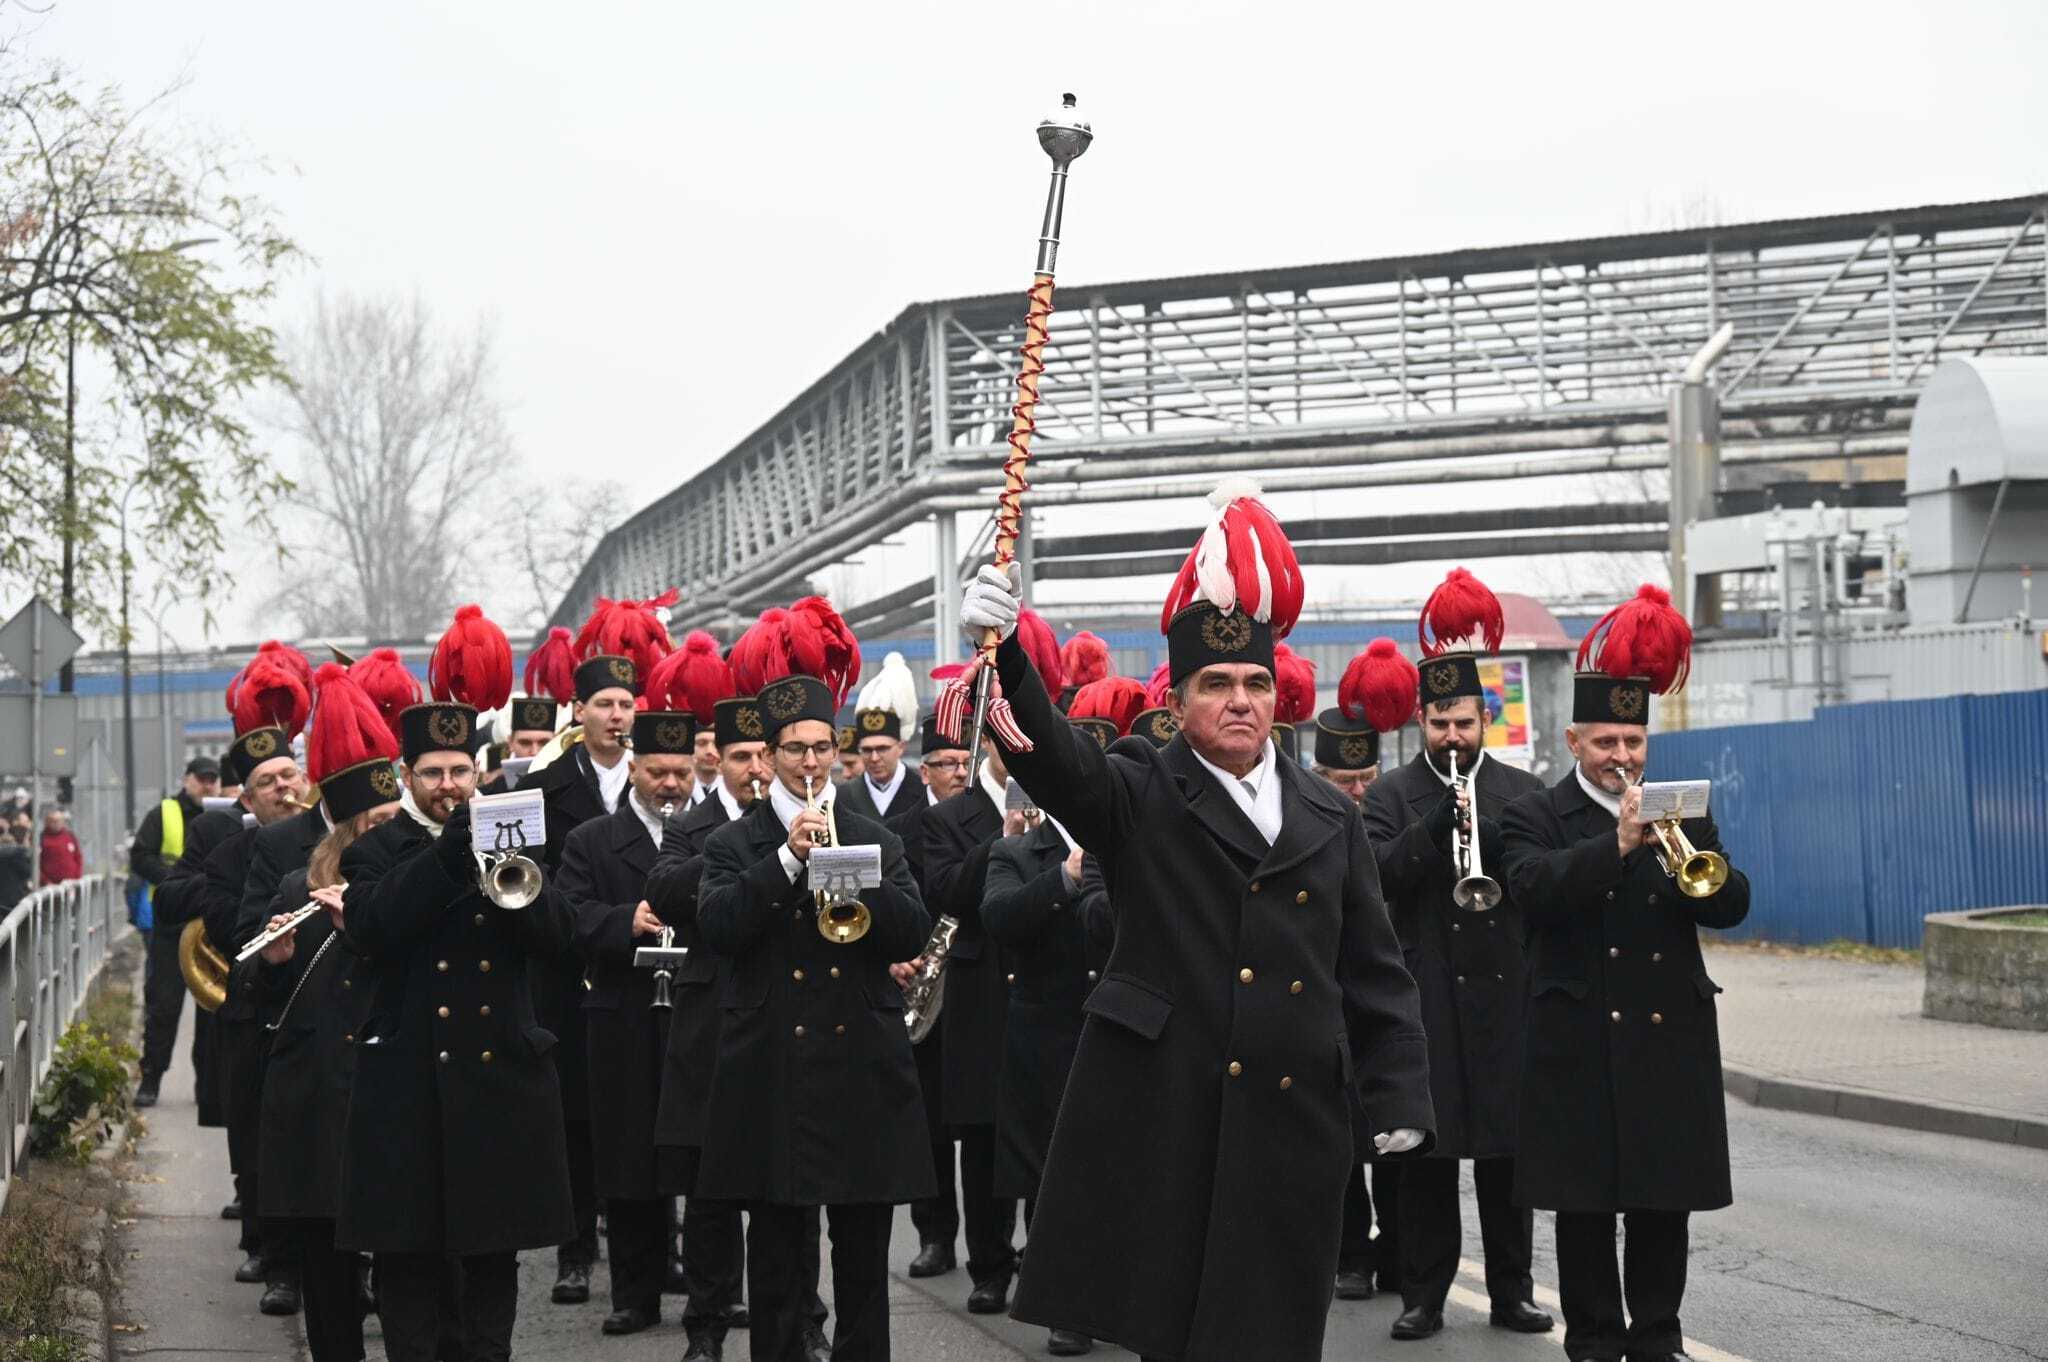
(516, 820)
(1664, 799)
(844, 871)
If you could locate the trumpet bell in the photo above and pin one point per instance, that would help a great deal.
(844, 921)
(513, 882)
(205, 969)
(1477, 894)
(1698, 874)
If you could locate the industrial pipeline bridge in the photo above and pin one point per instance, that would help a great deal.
(1484, 364)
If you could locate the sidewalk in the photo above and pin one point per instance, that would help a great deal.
(1838, 1038)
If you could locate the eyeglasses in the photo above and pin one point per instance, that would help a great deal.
(945, 763)
(288, 775)
(438, 775)
(797, 751)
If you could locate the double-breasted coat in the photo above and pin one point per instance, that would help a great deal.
(854, 796)
(603, 877)
(315, 1011)
(814, 1098)
(571, 795)
(1467, 966)
(958, 833)
(1192, 1200)
(1055, 942)
(455, 1140)
(691, 1051)
(1621, 1086)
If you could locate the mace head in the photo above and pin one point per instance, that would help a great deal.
(1064, 134)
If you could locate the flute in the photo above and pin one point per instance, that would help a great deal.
(282, 929)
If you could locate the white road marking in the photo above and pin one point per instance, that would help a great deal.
(1478, 1300)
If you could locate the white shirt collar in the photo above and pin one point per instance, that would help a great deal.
(1257, 793)
(732, 806)
(611, 780)
(413, 811)
(1611, 803)
(1471, 770)
(649, 818)
(884, 793)
(787, 806)
(699, 791)
(997, 791)
(931, 796)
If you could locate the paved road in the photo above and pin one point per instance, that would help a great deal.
(1847, 1242)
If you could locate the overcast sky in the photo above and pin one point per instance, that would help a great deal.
(679, 215)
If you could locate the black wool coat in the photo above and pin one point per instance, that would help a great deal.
(603, 877)
(216, 899)
(958, 834)
(315, 1009)
(814, 1099)
(455, 1141)
(1621, 1086)
(1055, 944)
(691, 1050)
(855, 797)
(1467, 966)
(1193, 1195)
(275, 852)
(569, 788)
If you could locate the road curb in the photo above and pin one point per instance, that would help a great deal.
(1856, 1104)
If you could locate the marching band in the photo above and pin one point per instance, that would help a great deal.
(1174, 994)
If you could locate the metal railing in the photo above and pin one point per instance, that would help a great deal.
(1349, 368)
(52, 945)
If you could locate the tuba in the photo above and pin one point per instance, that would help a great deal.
(205, 969)
(841, 921)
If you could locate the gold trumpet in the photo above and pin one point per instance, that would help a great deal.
(841, 921)
(1698, 874)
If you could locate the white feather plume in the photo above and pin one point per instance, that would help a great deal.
(893, 688)
(1214, 582)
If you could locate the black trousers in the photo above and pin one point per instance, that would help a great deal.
(1432, 1232)
(1358, 1251)
(418, 1308)
(582, 1250)
(243, 1048)
(991, 1220)
(714, 1257)
(163, 1001)
(1651, 1280)
(937, 1218)
(333, 1319)
(636, 1234)
(776, 1277)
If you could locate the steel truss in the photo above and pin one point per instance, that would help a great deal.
(1354, 374)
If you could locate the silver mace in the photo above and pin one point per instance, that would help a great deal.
(1065, 136)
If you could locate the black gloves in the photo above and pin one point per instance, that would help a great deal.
(453, 846)
(1441, 821)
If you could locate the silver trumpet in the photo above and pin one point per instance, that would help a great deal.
(663, 958)
(1475, 891)
(509, 877)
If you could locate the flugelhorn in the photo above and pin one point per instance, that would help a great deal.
(842, 921)
(1475, 891)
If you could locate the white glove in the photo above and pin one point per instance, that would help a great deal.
(992, 601)
(1398, 1141)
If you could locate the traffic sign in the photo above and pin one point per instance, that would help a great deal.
(38, 641)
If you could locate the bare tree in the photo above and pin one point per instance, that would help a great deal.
(558, 530)
(399, 424)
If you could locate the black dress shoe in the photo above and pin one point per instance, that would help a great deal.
(705, 1348)
(280, 1298)
(1066, 1343)
(817, 1348)
(232, 1211)
(251, 1270)
(1660, 1357)
(1354, 1286)
(630, 1320)
(145, 1092)
(1418, 1321)
(1523, 1317)
(933, 1260)
(572, 1286)
(736, 1316)
(677, 1282)
(991, 1296)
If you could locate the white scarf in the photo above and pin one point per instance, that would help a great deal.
(418, 815)
(1611, 803)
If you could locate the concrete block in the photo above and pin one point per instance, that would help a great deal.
(1980, 970)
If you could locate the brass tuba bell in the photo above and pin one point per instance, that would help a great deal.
(205, 969)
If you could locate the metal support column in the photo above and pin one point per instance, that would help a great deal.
(946, 638)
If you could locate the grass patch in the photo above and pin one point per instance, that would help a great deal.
(2022, 920)
(39, 1265)
(1838, 949)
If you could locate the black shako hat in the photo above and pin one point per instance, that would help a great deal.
(250, 750)
(664, 733)
(876, 723)
(1288, 741)
(1448, 676)
(532, 714)
(931, 740)
(358, 789)
(1598, 698)
(794, 699)
(738, 719)
(606, 672)
(1102, 730)
(1344, 744)
(1156, 726)
(1200, 635)
(437, 727)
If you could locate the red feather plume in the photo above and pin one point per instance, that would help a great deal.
(1159, 686)
(347, 727)
(1380, 686)
(551, 668)
(693, 678)
(1119, 699)
(1042, 646)
(1294, 682)
(275, 688)
(1084, 659)
(1643, 636)
(947, 671)
(1461, 607)
(808, 639)
(1224, 566)
(628, 629)
(472, 664)
(391, 688)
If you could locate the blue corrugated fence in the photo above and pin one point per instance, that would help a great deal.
(1858, 823)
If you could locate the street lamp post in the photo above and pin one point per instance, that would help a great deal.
(127, 678)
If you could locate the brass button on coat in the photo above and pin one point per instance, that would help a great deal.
(1610, 896)
(1301, 897)
(1235, 1068)
(1653, 898)
(444, 1056)
(1614, 952)
(441, 965)
(1656, 1019)
(1244, 976)
(1009, 978)
(350, 1038)
(479, 919)
(1461, 978)
(797, 975)
(835, 971)
(1093, 976)
(1294, 987)
(1255, 886)
(799, 1033)
(441, 1012)
(484, 965)
(1614, 1016)
(484, 1011)
(487, 1056)
(839, 1030)
(1456, 928)
(1656, 957)
(1286, 1083)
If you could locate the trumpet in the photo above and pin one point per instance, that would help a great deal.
(1698, 874)
(1475, 891)
(842, 921)
(281, 930)
(508, 877)
(665, 974)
